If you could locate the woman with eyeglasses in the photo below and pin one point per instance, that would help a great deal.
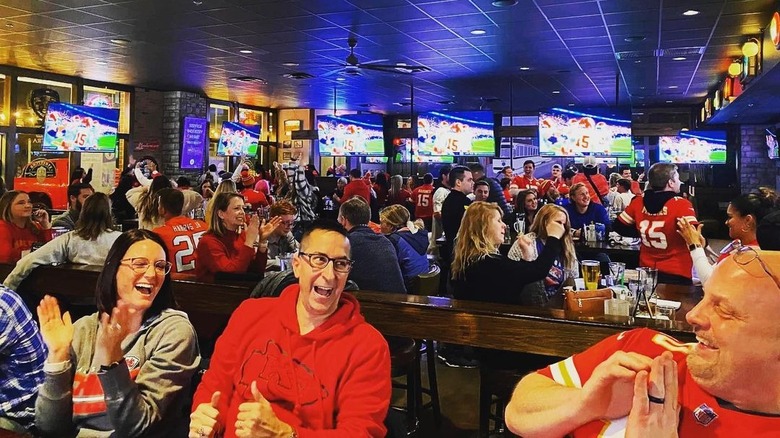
(20, 226)
(234, 242)
(88, 244)
(745, 213)
(124, 371)
(282, 240)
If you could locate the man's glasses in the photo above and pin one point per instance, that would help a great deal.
(744, 254)
(140, 265)
(287, 223)
(320, 261)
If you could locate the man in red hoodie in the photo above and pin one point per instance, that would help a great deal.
(305, 364)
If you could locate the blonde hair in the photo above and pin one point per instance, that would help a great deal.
(397, 216)
(396, 185)
(226, 186)
(473, 243)
(573, 190)
(539, 226)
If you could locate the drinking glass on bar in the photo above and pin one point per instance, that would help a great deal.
(618, 271)
(590, 273)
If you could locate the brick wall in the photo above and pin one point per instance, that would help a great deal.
(177, 105)
(755, 167)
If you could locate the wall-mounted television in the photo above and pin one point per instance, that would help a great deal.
(597, 132)
(238, 140)
(193, 142)
(404, 154)
(375, 160)
(76, 128)
(351, 135)
(694, 147)
(456, 133)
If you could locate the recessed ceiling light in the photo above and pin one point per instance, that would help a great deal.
(634, 38)
(478, 32)
(691, 12)
(672, 87)
(120, 41)
(340, 79)
(669, 101)
(401, 64)
(504, 3)
(290, 64)
(556, 92)
(571, 104)
(9, 25)
(637, 61)
(245, 51)
(679, 58)
(101, 62)
(525, 68)
(197, 2)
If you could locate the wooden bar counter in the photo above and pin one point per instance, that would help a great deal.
(504, 327)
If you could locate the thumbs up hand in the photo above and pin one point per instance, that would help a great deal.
(256, 418)
(204, 421)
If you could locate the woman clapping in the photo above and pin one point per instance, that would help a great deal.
(125, 370)
(233, 242)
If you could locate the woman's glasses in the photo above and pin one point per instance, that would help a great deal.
(140, 265)
(320, 261)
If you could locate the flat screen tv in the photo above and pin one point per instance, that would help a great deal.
(193, 142)
(351, 135)
(403, 154)
(238, 140)
(456, 133)
(694, 147)
(76, 128)
(597, 132)
(376, 160)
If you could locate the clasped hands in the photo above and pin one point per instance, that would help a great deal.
(255, 418)
(644, 389)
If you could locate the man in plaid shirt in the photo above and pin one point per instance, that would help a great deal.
(22, 354)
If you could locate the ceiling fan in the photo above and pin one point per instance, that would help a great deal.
(353, 67)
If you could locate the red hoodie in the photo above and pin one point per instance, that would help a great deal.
(332, 382)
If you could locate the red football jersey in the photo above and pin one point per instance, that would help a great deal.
(423, 201)
(701, 416)
(181, 236)
(524, 183)
(662, 247)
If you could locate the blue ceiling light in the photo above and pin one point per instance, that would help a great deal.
(504, 3)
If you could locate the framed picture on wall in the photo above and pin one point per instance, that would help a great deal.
(286, 144)
(286, 156)
(292, 125)
(297, 144)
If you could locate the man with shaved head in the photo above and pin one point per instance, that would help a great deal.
(642, 383)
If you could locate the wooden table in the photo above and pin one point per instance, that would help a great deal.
(505, 327)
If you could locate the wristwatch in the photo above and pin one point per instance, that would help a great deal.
(693, 246)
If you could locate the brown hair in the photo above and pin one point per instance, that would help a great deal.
(282, 207)
(221, 202)
(95, 217)
(6, 201)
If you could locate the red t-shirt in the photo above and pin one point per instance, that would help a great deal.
(402, 197)
(181, 236)
(423, 201)
(226, 254)
(662, 247)
(357, 188)
(697, 406)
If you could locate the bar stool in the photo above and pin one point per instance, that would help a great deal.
(495, 389)
(428, 285)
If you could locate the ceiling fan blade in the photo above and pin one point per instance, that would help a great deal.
(373, 61)
(394, 68)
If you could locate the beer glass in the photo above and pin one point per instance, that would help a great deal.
(590, 273)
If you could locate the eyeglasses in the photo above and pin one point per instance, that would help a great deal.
(744, 254)
(320, 261)
(287, 223)
(140, 265)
